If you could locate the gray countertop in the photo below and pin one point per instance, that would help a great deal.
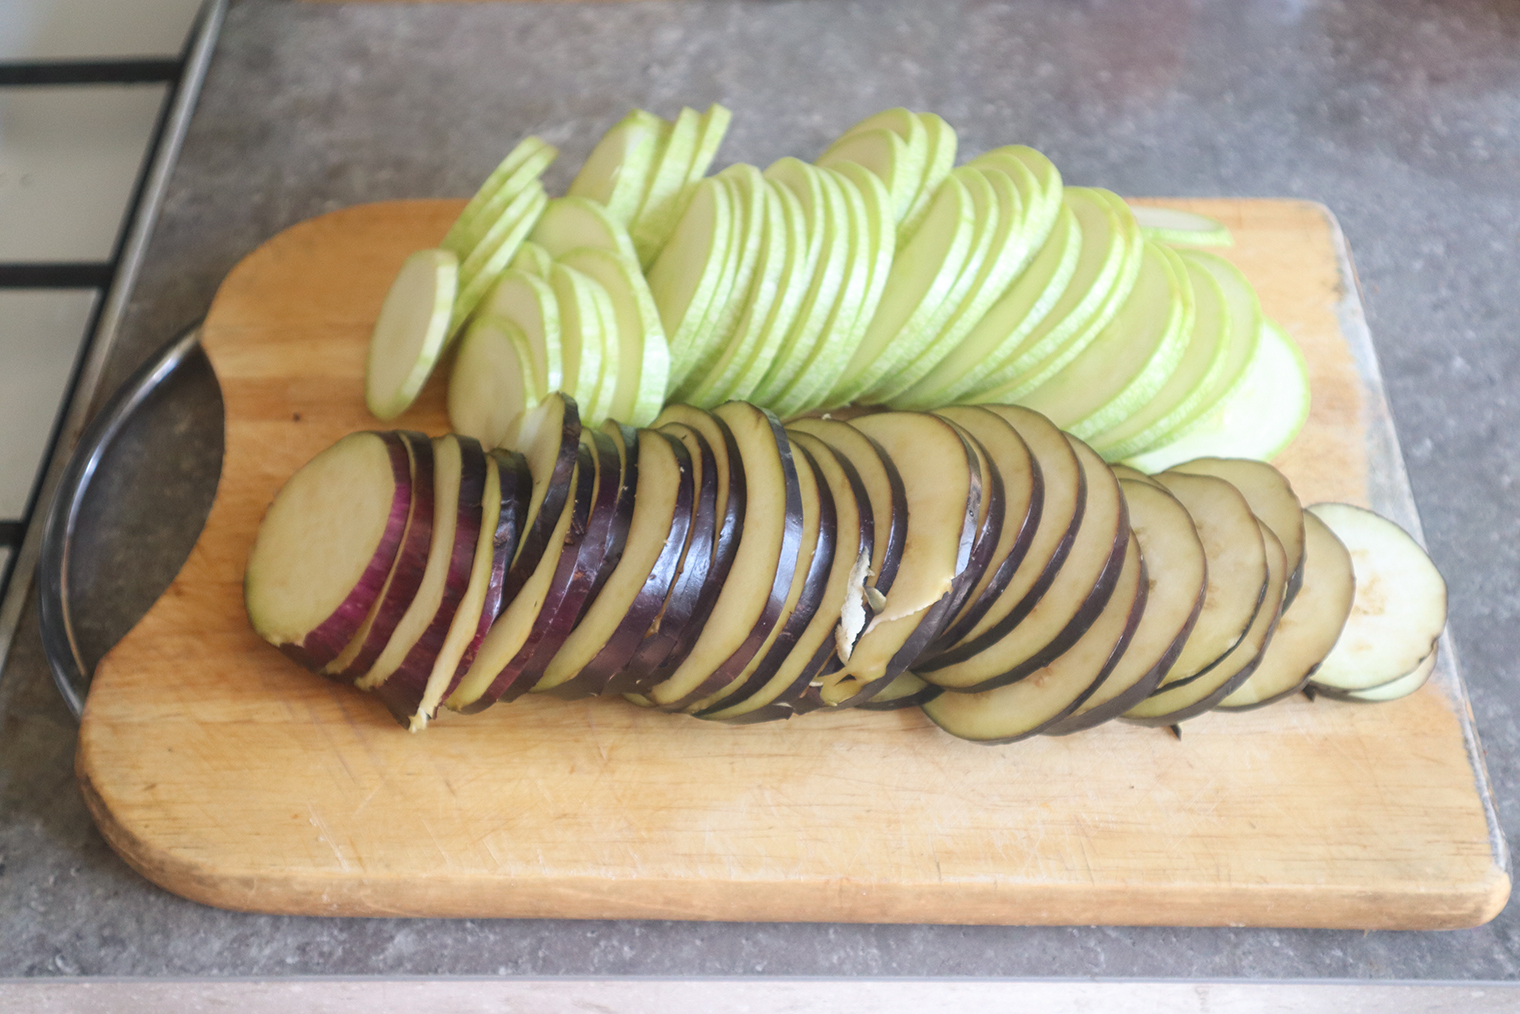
(1403, 117)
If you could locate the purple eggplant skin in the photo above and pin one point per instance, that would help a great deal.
(913, 700)
(730, 526)
(535, 541)
(781, 581)
(411, 562)
(579, 503)
(596, 676)
(576, 574)
(813, 585)
(941, 613)
(516, 484)
(973, 417)
(1131, 625)
(328, 639)
(791, 700)
(987, 535)
(997, 631)
(627, 439)
(1142, 688)
(662, 633)
(402, 690)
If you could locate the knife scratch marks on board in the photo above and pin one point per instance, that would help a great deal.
(326, 837)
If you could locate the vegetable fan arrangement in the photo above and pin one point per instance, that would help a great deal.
(959, 353)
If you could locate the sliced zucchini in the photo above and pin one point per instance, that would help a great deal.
(492, 381)
(617, 172)
(1172, 225)
(410, 332)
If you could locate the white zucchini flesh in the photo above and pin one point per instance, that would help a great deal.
(843, 327)
(1100, 261)
(569, 223)
(1007, 323)
(430, 596)
(751, 196)
(1067, 340)
(781, 233)
(1175, 571)
(410, 332)
(685, 277)
(1172, 225)
(1237, 570)
(1400, 606)
(1049, 694)
(529, 302)
(768, 317)
(939, 160)
(1129, 359)
(660, 208)
(888, 157)
(491, 256)
(1181, 397)
(1401, 687)
(1310, 624)
(617, 172)
(581, 345)
(998, 253)
(643, 355)
(918, 289)
(492, 381)
(827, 217)
(523, 166)
(1242, 309)
(1258, 419)
(531, 259)
(711, 130)
(326, 546)
(1039, 184)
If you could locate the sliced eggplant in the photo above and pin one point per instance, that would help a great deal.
(612, 628)
(580, 565)
(327, 545)
(887, 500)
(360, 655)
(488, 676)
(809, 579)
(1125, 472)
(1310, 623)
(906, 691)
(1271, 498)
(790, 690)
(1014, 711)
(443, 578)
(1400, 606)
(548, 436)
(1023, 501)
(1063, 507)
(755, 589)
(1177, 703)
(504, 503)
(943, 489)
(1238, 573)
(1071, 604)
(1392, 690)
(1177, 577)
(990, 517)
(708, 552)
(461, 461)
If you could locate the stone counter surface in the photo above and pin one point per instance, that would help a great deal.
(1402, 117)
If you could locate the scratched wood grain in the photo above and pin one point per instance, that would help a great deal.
(224, 773)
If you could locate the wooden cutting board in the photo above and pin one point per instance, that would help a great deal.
(221, 771)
